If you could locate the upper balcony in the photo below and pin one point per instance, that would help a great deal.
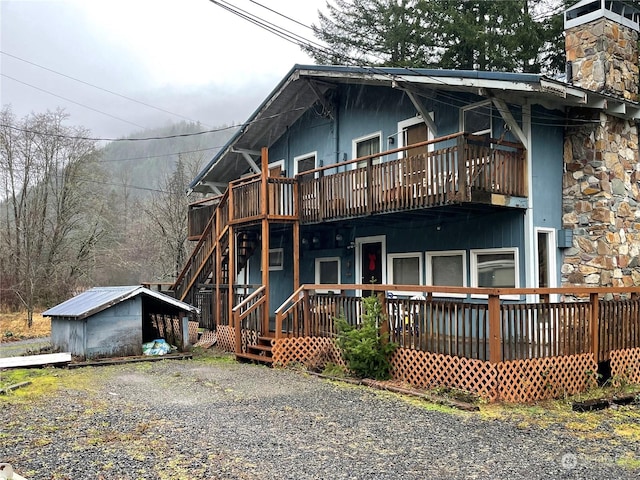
(450, 170)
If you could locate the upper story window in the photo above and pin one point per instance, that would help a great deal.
(367, 145)
(476, 118)
(411, 131)
(304, 163)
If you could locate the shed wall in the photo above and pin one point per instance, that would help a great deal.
(116, 331)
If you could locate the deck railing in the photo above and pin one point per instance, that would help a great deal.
(491, 329)
(451, 174)
(452, 169)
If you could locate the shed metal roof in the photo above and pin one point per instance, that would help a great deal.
(100, 298)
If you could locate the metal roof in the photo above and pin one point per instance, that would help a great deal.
(100, 298)
(305, 85)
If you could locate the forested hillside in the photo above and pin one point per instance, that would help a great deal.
(76, 213)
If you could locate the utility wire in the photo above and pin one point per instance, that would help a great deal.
(72, 101)
(99, 88)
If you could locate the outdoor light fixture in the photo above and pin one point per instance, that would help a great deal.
(339, 237)
(315, 240)
(305, 241)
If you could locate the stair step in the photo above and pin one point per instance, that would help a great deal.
(254, 357)
(261, 348)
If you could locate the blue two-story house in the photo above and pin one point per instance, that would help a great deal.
(429, 183)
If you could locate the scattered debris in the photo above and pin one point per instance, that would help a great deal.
(11, 388)
(404, 391)
(602, 403)
(157, 347)
(6, 471)
(35, 360)
(119, 360)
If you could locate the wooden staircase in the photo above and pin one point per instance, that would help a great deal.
(259, 353)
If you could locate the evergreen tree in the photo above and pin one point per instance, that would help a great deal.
(509, 35)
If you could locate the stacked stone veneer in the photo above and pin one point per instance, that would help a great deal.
(601, 198)
(604, 57)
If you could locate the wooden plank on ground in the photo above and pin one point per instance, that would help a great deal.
(35, 360)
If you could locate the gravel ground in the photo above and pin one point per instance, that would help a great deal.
(203, 419)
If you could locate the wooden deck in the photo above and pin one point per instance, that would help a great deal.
(455, 169)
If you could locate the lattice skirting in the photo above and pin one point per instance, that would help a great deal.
(226, 338)
(542, 378)
(207, 339)
(175, 323)
(426, 370)
(625, 364)
(307, 350)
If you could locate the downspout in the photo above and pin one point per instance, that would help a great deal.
(529, 231)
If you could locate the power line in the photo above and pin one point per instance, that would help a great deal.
(178, 135)
(72, 101)
(99, 88)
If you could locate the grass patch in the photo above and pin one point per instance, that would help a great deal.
(629, 461)
(13, 326)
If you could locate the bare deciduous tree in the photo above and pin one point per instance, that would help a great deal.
(51, 209)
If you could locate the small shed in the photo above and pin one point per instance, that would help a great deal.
(114, 321)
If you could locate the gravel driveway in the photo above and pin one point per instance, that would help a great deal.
(204, 419)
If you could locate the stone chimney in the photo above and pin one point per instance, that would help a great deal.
(601, 183)
(602, 47)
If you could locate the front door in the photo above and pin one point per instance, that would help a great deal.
(371, 260)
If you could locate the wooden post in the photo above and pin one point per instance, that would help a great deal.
(495, 336)
(265, 235)
(218, 267)
(296, 262)
(185, 333)
(306, 314)
(384, 324)
(369, 191)
(232, 274)
(464, 191)
(595, 326)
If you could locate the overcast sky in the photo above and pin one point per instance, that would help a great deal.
(188, 57)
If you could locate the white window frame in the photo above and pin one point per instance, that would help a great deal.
(297, 158)
(410, 122)
(279, 163)
(551, 249)
(356, 141)
(418, 255)
(320, 260)
(447, 253)
(279, 266)
(516, 268)
(473, 106)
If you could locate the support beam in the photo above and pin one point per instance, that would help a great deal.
(254, 166)
(264, 208)
(431, 125)
(327, 107)
(509, 120)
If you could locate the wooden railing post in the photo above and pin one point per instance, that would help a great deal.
(306, 313)
(384, 323)
(463, 170)
(495, 335)
(595, 326)
(237, 328)
(369, 191)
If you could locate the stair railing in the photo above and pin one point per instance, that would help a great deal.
(247, 319)
(288, 314)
